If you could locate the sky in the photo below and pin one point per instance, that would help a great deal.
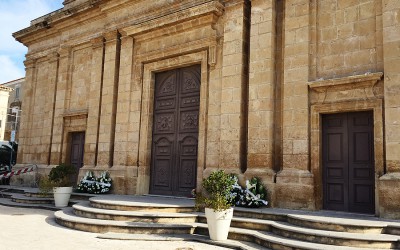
(14, 16)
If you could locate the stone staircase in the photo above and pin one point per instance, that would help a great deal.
(163, 218)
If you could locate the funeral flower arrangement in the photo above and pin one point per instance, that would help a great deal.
(95, 185)
(253, 195)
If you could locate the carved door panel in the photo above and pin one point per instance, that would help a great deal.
(175, 131)
(348, 162)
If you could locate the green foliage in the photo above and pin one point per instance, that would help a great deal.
(216, 191)
(59, 176)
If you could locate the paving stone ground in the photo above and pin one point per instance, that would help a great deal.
(31, 229)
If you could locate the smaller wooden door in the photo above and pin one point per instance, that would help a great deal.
(348, 162)
(77, 149)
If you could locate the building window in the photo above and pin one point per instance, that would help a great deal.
(17, 93)
(0, 123)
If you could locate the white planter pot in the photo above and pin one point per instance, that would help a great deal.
(61, 196)
(218, 223)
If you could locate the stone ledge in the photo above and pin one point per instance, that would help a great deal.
(344, 82)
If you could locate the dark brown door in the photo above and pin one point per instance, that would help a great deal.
(175, 131)
(348, 162)
(77, 149)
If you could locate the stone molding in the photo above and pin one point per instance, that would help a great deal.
(97, 42)
(75, 113)
(346, 88)
(144, 26)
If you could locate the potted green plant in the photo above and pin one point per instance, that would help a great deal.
(217, 201)
(60, 181)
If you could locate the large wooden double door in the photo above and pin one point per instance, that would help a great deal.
(348, 162)
(175, 131)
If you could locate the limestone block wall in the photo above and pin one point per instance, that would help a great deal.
(269, 70)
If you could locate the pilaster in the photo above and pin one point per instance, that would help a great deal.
(49, 107)
(59, 107)
(126, 143)
(295, 187)
(92, 130)
(389, 187)
(109, 94)
(24, 131)
(261, 91)
(234, 87)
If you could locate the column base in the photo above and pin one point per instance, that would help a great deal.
(295, 189)
(389, 196)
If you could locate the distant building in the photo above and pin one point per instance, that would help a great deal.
(4, 96)
(14, 108)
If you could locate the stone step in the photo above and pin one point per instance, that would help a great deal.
(350, 225)
(74, 195)
(336, 238)
(83, 209)
(7, 202)
(143, 203)
(21, 198)
(264, 239)
(67, 218)
(273, 241)
(288, 230)
(232, 244)
(261, 213)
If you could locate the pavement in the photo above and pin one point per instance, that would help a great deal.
(31, 229)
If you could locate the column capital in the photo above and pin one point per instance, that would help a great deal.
(29, 63)
(64, 50)
(111, 36)
(97, 42)
(52, 56)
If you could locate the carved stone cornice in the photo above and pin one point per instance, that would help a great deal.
(143, 26)
(46, 22)
(75, 113)
(346, 88)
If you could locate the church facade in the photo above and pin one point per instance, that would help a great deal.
(303, 94)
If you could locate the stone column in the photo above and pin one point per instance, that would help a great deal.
(109, 94)
(234, 87)
(59, 108)
(389, 184)
(24, 148)
(261, 91)
(295, 182)
(92, 130)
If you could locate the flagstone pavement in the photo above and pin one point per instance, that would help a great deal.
(31, 229)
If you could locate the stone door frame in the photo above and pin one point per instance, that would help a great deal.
(350, 94)
(147, 107)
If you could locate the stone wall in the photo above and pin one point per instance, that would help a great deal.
(269, 70)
